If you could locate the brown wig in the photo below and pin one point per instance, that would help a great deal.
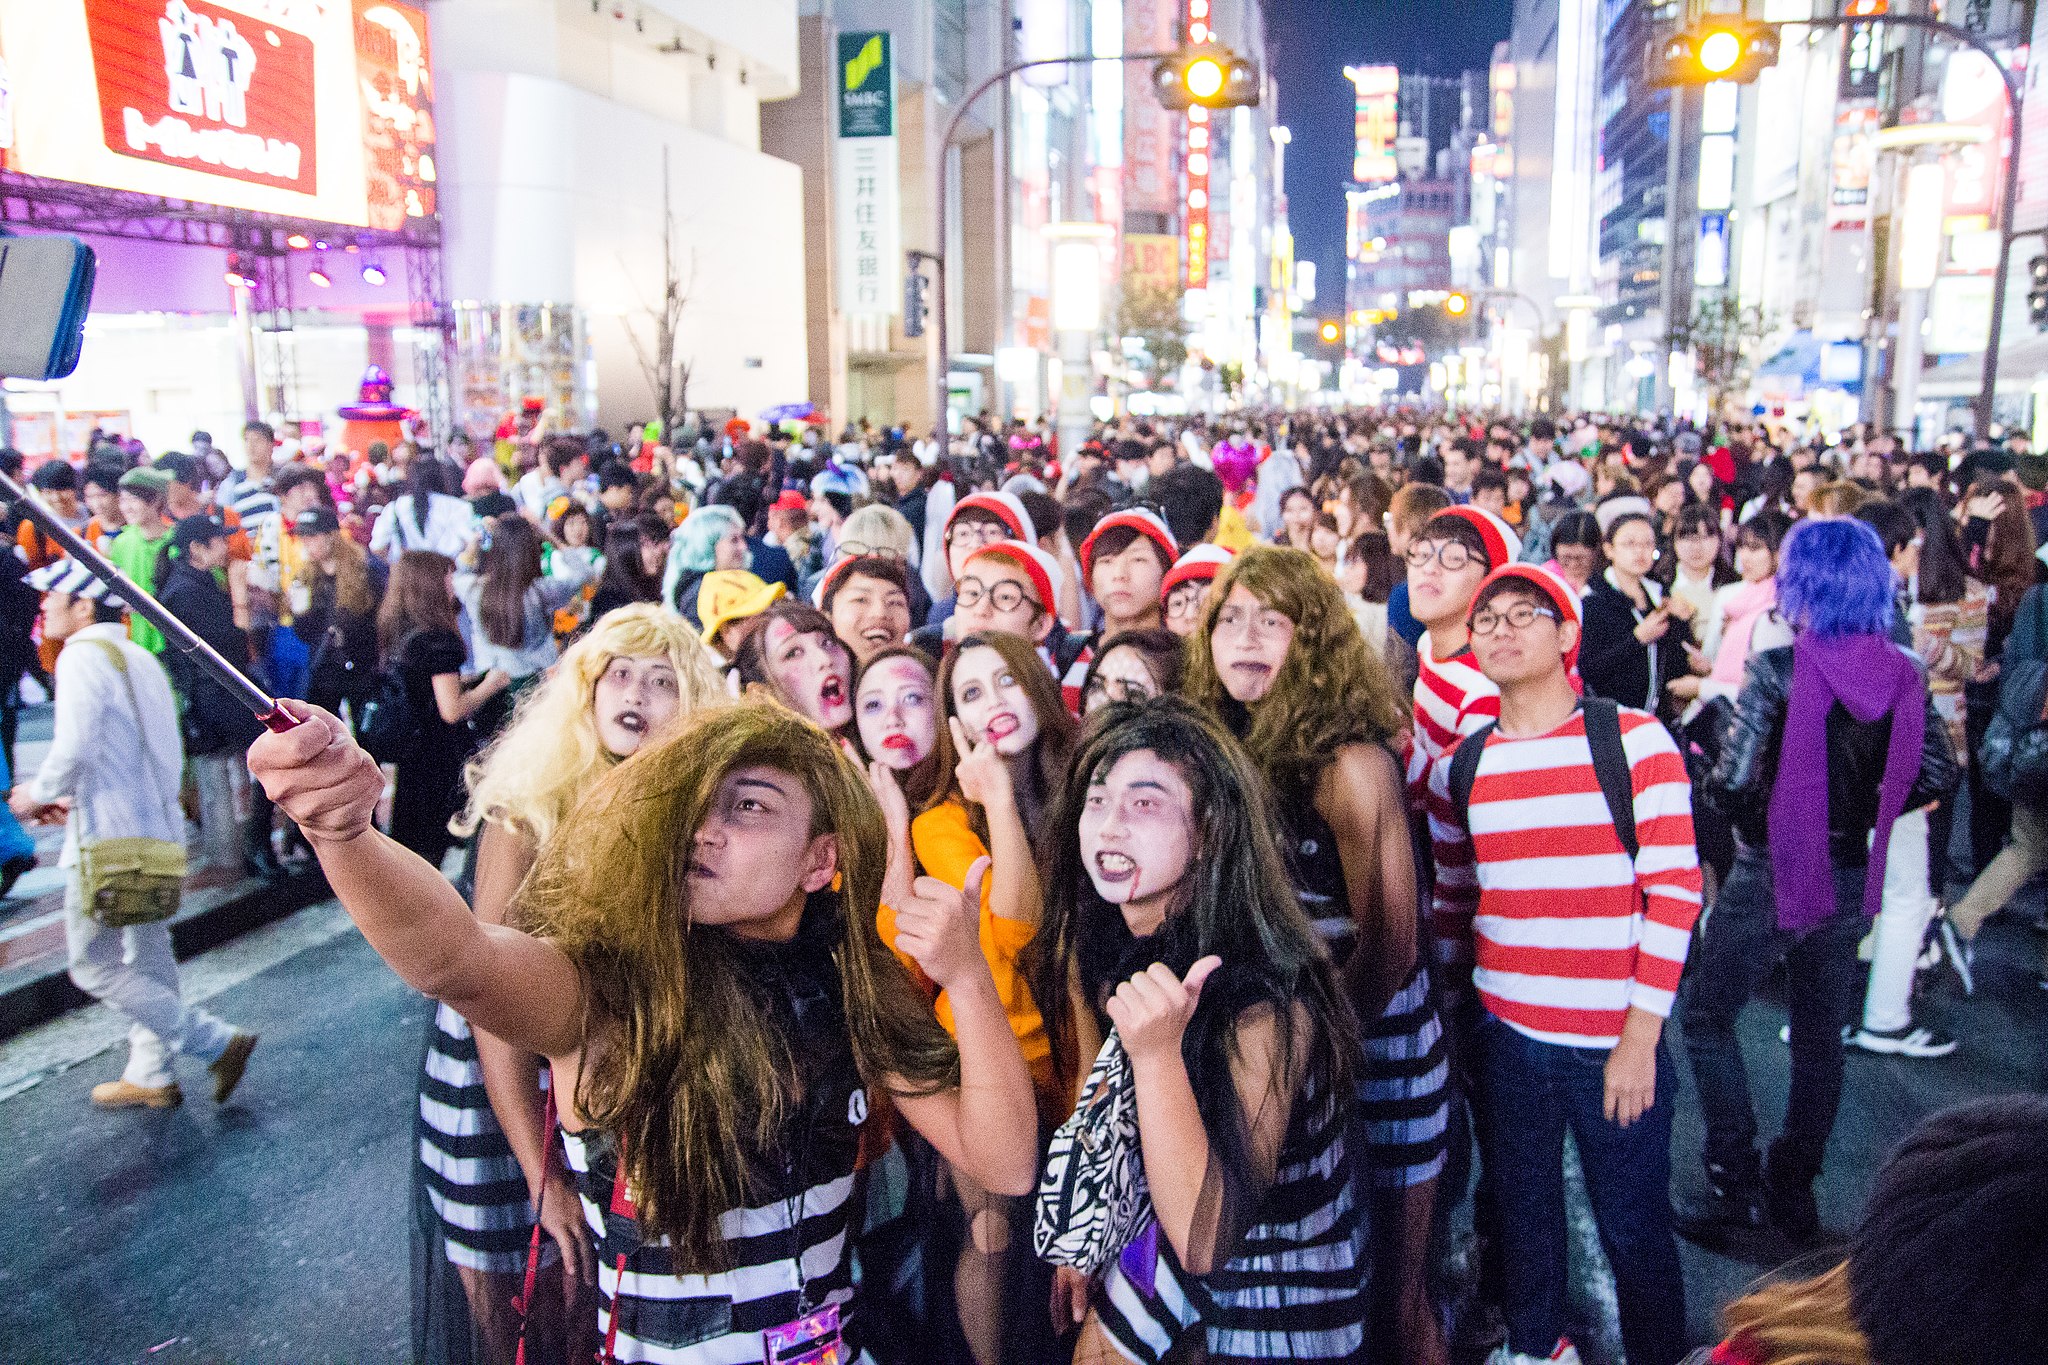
(351, 575)
(1056, 725)
(2006, 562)
(417, 599)
(921, 784)
(508, 564)
(1332, 690)
(681, 1062)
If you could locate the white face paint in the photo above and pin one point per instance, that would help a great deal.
(992, 703)
(1138, 837)
(898, 723)
(634, 697)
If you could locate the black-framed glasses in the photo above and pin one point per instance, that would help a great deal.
(1521, 616)
(1448, 553)
(1004, 596)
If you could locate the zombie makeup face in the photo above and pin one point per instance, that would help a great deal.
(1138, 837)
(1249, 644)
(1120, 675)
(634, 697)
(812, 672)
(992, 703)
(898, 722)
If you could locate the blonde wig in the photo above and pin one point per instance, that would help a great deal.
(550, 753)
(683, 1065)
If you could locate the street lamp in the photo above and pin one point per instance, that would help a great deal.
(1239, 85)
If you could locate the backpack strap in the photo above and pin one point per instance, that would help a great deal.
(1610, 766)
(1465, 770)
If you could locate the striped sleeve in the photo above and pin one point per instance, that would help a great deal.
(1667, 862)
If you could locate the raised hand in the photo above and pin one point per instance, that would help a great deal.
(983, 774)
(940, 928)
(318, 776)
(1152, 1009)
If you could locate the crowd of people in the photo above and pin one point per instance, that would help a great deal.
(1165, 901)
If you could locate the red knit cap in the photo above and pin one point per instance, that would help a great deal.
(1145, 523)
(1503, 546)
(1200, 564)
(1548, 584)
(1038, 566)
(1005, 507)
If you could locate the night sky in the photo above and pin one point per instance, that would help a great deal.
(1309, 43)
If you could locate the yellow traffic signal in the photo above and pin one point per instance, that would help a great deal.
(1332, 333)
(1721, 50)
(1456, 305)
(1209, 76)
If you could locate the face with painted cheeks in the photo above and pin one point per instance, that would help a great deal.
(992, 703)
(898, 723)
(634, 697)
(1137, 837)
(811, 670)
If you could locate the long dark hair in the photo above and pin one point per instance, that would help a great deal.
(507, 565)
(427, 477)
(1943, 578)
(1236, 902)
(624, 575)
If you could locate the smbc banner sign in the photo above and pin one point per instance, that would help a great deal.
(867, 205)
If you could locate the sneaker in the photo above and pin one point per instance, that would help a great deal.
(1792, 1208)
(127, 1095)
(1962, 954)
(1914, 1040)
(228, 1067)
(1733, 1208)
(1564, 1353)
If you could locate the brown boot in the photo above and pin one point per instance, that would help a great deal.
(127, 1095)
(227, 1068)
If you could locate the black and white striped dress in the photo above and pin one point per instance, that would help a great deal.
(472, 1178)
(1298, 1286)
(720, 1318)
(1406, 1068)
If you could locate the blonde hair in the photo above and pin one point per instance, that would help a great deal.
(1800, 1322)
(550, 753)
(878, 525)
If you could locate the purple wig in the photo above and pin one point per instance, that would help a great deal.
(1834, 579)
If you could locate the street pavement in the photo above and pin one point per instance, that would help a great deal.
(273, 1229)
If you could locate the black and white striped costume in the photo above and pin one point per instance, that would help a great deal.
(1296, 1288)
(1406, 1069)
(720, 1318)
(472, 1178)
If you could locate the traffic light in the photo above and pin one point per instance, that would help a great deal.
(2037, 293)
(1331, 331)
(1213, 77)
(1457, 305)
(914, 284)
(1721, 50)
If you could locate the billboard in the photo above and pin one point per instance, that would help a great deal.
(1151, 183)
(315, 111)
(1376, 121)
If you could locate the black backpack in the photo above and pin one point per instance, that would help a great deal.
(1610, 766)
(387, 726)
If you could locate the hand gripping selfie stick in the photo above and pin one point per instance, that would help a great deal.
(267, 708)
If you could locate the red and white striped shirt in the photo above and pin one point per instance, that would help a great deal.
(1568, 935)
(1452, 699)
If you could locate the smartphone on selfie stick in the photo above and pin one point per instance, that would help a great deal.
(45, 292)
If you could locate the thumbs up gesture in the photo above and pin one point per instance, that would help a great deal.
(940, 928)
(1152, 1009)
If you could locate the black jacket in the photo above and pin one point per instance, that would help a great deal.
(1748, 766)
(1613, 662)
(214, 720)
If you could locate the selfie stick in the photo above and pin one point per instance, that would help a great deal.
(267, 708)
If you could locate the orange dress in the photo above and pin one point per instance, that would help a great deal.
(946, 847)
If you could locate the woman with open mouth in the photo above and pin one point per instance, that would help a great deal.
(895, 706)
(1001, 751)
(1280, 661)
(793, 657)
(696, 956)
(1172, 936)
(486, 1154)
